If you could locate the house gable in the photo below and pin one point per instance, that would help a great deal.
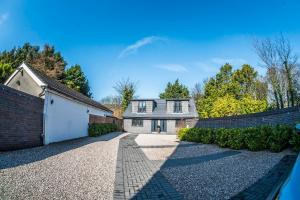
(24, 80)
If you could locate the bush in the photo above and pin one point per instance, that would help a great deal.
(236, 139)
(295, 142)
(279, 138)
(274, 138)
(101, 129)
(222, 137)
(256, 138)
(208, 135)
(182, 133)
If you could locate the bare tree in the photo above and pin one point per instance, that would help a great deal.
(288, 62)
(197, 91)
(126, 90)
(282, 69)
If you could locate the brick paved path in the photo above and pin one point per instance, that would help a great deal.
(137, 177)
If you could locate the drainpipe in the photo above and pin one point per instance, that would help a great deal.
(44, 92)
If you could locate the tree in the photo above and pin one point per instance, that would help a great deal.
(5, 71)
(46, 60)
(232, 92)
(174, 91)
(126, 90)
(75, 79)
(282, 69)
(113, 103)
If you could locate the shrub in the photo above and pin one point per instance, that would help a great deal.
(101, 129)
(208, 135)
(295, 142)
(222, 137)
(236, 139)
(256, 138)
(275, 138)
(182, 133)
(279, 138)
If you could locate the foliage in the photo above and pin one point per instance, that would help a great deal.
(46, 60)
(274, 138)
(295, 142)
(175, 90)
(5, 71)
(181, 133)
(75, 79)
(101, 129)
(232, 93)
(256, 138)
(126, 90)
(279, 138)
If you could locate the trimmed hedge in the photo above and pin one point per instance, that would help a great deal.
(275, 138)
(101, 129)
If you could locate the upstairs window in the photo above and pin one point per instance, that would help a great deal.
(137, 122)
(142, 107)
(177, 107)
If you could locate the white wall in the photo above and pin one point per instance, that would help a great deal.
(66, 118)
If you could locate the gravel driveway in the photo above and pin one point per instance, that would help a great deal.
(139, 166)
(78, 169)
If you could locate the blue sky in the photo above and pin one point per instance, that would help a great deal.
(151, 42)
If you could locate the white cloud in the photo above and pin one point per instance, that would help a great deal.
(3, 18)
(138, 44)
(232, 61)
(172, 67)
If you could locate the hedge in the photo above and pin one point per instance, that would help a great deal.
(101, 129)
(274, 138)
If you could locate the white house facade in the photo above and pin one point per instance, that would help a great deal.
(66, 111)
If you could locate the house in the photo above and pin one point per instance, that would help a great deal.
(158, 115)
(66, 111)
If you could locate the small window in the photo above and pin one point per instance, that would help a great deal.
(177, 107)
(142, 107)
(137, 122)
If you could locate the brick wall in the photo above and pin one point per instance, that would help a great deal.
(21, 119)
(282, 116)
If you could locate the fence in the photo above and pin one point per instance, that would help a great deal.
(107, 119)
(21, 119)
(288, 116)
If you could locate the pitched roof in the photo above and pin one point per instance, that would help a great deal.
(160, 110)
(63, 89)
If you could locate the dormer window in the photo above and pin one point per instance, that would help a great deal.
(142, 107)
(177, 107)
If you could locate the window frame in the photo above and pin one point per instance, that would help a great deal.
(142, 107)
(137, 122)
(177, 107)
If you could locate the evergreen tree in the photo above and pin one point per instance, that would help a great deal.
(175, 90)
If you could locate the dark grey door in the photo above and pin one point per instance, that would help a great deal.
(154, 124)
(163, 125)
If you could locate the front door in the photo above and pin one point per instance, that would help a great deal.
(162, 124)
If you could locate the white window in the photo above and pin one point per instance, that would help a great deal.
(142, 107)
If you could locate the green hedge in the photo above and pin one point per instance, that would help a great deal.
(275, 138)
(101, 129)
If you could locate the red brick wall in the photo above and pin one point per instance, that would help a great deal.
(21, 119)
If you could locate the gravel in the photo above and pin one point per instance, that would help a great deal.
(78, 169)
(220, 178)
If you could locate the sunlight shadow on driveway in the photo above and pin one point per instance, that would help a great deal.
(25, 156)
